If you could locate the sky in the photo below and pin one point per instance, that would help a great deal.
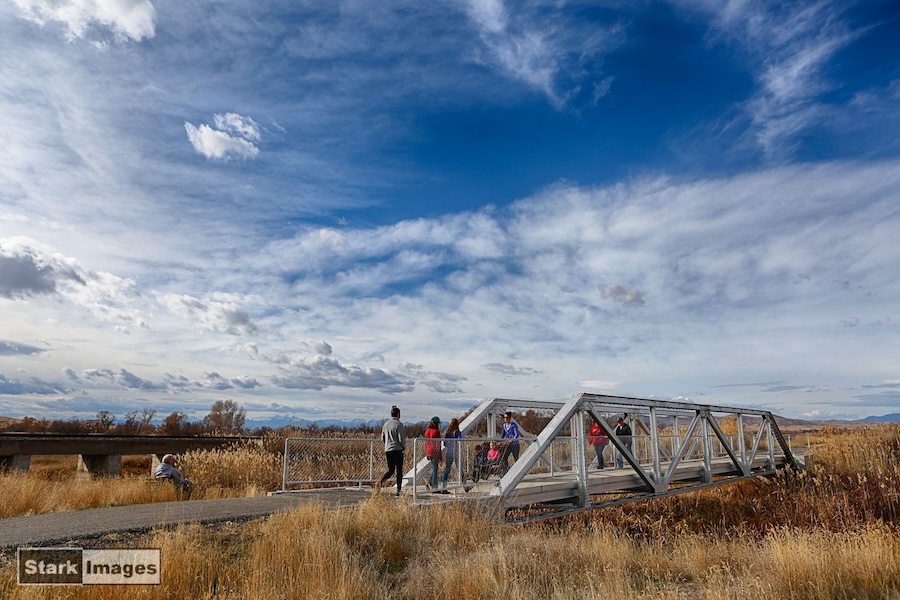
(322, 209)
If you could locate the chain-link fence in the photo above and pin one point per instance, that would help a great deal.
(318, 462)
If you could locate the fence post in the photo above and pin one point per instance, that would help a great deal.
(415, 479)
(286, 459)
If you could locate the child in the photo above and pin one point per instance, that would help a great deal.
(494, 453)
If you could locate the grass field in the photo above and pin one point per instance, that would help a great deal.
(829, 532)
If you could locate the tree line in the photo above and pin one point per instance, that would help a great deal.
(226, 417)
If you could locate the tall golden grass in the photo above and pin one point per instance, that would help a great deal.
(243, 470)
(818, 535)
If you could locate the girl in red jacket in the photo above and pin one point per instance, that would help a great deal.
(433, 450)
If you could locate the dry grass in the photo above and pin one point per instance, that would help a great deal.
(51, 485)
(30, 494)
(387, 550)
(829, 533)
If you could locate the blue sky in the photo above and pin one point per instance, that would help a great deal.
(323, 211)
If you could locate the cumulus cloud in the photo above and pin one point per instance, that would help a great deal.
(121, 379)
(16, 349)
(26, 271)
(215, 381)
(126, 19)
(627, 296)
(438, 382)
(510, 370)
(213, 314)
(318, 373)
(233, 136)
(297, 371)
(32, 386)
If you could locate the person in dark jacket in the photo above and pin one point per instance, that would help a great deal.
(623, 432)
(451, 449)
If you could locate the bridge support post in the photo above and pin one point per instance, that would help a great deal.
(579, 459)
(16, 462)
(707, 446)
(107, 465)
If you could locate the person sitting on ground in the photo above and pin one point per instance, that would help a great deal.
(167, 470)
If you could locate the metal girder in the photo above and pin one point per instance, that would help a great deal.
(701, 456)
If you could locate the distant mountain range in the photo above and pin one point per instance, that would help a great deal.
(891, 418)
(281, 421)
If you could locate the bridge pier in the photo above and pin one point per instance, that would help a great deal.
(16, 462)
(106, 465)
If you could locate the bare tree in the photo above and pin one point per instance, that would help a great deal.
(226, 417)
(146, 417)
(106, 419)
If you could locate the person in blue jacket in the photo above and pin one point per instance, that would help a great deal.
(451, 449)
(509, 432)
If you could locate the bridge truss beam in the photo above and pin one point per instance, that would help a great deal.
(664, 456)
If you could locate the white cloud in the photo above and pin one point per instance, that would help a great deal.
(627, 296)
(132, 19)
(234, 136)
(790, 46)
(28, 268)
(528, 45)
(220, 312)
(321, 372)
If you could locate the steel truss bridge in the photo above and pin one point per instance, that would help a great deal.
(676, 447)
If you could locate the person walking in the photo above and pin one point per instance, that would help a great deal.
(598, 439)
(509, 432)
(393, 434)
(451, 450)
(623, 432)
(433, 450)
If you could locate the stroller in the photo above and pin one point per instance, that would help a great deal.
(482, 467)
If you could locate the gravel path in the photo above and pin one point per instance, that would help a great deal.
(57, 528)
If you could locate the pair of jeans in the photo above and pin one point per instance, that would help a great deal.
(599, 448)
(620, 459)
(435, 465)
(448, 462)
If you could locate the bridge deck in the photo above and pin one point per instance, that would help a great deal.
(547, 489)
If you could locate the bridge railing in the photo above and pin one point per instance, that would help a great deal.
(321, 462)
(470, 469)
